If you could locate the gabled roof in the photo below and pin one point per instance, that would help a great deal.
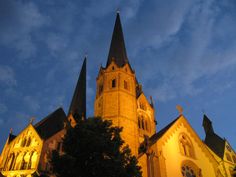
(216, 144)
(160, 133)
(212, 140)
(78, 103)
(51, 124)
(117, 50)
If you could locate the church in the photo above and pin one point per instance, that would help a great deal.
(174, 151)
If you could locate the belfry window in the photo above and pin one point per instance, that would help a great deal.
(126, 85)
(113, 83)
(186, 147)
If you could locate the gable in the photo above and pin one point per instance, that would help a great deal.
(26, 147)
(181, 125)
(22, 139)
(143, 101)
(179, 144)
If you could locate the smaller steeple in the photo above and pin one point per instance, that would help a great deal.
(207, 125)
(78, 104)
(117, 50)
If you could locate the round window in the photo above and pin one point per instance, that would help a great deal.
(187, 171)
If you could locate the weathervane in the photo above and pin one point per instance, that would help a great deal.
(180, 109)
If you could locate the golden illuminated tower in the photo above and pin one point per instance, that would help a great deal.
(118, 92)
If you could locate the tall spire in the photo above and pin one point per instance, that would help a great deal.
(207, 125)
(78, 103)
(117, 48)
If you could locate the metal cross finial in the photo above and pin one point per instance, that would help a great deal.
(32, 120)
(180, 109)
(11, 130)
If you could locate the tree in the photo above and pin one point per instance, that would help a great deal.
(94, 148)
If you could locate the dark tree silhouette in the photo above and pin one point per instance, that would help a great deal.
(93, 148)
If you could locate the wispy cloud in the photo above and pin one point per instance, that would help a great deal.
(18, 19)
(182, 49)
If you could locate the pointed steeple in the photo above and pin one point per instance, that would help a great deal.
(78, 103)
(207, 125)
(117, 50)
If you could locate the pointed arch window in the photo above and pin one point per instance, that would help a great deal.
(143, 124)
(190, 169)
(28, 142)
(228, 157)
(186, 147)
(23, 142)
(126, 85)
(234, 158)
(113, 83)
(139, 122)
(100, 89)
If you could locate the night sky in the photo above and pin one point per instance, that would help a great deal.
(183, 53)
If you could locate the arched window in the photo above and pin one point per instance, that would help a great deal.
(186, 147)
(24, 162)
(139, 123)
(126, 85)
(190, 169)
(187, 171)
(113, 83)
(28, 142)
(234, 158)
(142, 124)
(11, 160)
(23, 142)
(228, 157)
(146, 125)
(100, 88)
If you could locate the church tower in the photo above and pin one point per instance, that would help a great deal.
(117, 93)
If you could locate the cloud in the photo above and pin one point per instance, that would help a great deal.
(7, 76)
(18, 20)
(182, 49)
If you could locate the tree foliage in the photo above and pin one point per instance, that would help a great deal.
(94, 148)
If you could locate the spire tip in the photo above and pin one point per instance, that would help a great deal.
(118, 11)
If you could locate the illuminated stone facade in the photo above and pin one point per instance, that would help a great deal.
(174, 151)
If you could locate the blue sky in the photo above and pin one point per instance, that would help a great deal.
(183, 52)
